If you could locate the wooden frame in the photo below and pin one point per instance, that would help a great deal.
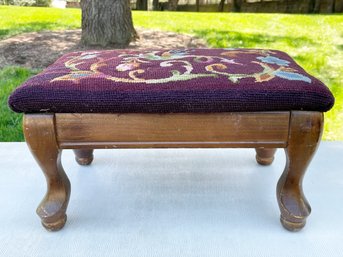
(298, 132)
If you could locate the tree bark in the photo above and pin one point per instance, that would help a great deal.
(172, 5)
(107, 22)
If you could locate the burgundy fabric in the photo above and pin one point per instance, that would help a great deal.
(163, 81)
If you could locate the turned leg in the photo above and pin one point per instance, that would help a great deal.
(41, 138)
(84, 156)
(304, 137)
(265, 156)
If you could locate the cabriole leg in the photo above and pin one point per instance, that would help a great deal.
(265, 156)
(304, 137)
(39, 131)
(84, 156)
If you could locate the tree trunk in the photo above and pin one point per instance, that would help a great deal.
(197, 3)
(331, 8)
(221, 5)
(314, 6)
(156, 5)
(237, 5)
(289, 4)
(172, 5)
(311, 6)
(142, 5)
(107, 22)
(339, 6)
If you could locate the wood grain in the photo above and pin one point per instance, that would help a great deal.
(172, 130)
(39, 131)
(265, 156)
(84, 156)
(304, 137)
(299, 132)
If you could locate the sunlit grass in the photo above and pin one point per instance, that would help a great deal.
(10, 122)
(314, 41)
(15, 20)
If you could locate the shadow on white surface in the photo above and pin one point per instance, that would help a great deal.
(172, 202)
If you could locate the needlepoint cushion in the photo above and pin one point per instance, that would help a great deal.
(177, 80)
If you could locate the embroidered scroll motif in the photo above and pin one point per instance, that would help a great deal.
(178, 65)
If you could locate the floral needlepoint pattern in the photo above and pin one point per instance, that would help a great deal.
(181, 65)
(172, 80)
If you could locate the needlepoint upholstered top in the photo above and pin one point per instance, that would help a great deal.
(167, 81)
(173, 98)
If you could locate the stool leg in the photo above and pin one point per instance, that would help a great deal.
(304, 137)
(41, 138)
(84, 156)
(265, 156)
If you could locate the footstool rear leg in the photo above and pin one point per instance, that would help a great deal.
(39, 131)
(265, 156)
(304, 137)
(84, 156)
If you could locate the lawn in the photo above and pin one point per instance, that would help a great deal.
(15, 20)
(315, 41)
(10, 123)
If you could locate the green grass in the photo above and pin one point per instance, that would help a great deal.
(15, 20)
(10, 122)
(315, 41)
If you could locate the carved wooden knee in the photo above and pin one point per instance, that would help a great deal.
(39, 131)
(304, 137)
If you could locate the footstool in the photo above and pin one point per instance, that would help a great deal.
(178, 98)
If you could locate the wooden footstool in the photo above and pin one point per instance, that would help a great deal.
(193, 98)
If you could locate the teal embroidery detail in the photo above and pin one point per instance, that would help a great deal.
(291, 76)
(273, 60)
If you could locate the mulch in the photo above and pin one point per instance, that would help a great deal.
(37, 50)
